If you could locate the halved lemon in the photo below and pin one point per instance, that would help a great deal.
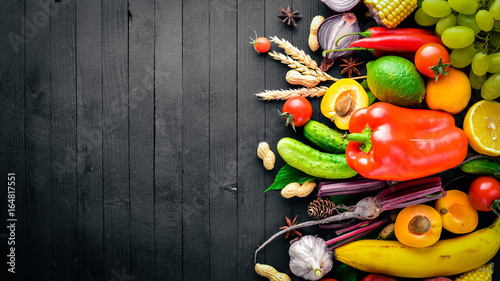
(482, 126)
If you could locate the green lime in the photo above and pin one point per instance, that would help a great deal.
(395, 80)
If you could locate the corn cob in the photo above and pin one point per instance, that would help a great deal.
(390, 12)
(483, 273)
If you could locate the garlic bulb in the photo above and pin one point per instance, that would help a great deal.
(310, 258)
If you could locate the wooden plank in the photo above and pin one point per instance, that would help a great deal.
(63, 140)
(276, 206)
(115, 138)
(168, 140)
(89, 140)
(13, 263)
(196, 141)
(223, 141)
(251, 131)
(141, 134)
(38, 162)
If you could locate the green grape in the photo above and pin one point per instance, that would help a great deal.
(469, 21)
(490, 89)
(424, 19)
(443, 23)
(480, 64)
(495, 9)
(461, 58)
(436, 8)
(496, 25)
(457, 37)
(477, 81)
(484, 20)
(494, 63)
(464, 6)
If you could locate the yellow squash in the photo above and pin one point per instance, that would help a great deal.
(445, 257)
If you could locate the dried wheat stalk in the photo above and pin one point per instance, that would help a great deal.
(287, 94)
(295, 53)
(292, 63)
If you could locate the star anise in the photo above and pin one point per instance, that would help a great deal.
(350, 66)
(289, 17)
(293, 231)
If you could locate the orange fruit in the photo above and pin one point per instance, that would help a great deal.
(418, 226)
(457, 212)
(450, 93)
(341, 100)
(482, 127)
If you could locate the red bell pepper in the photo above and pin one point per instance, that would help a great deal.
(387, 142)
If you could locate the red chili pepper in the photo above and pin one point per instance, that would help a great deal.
(396, 42)
(388, 142)
(380, 30)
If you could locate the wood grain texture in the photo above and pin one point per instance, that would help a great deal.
(196, 140)
(89, 80)
(223, 141)
(141, 137)
(63, 153)
(168, 156)
(12, 140)
(116, 146)
(39, 169)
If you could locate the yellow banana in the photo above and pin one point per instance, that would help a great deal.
(446, 257)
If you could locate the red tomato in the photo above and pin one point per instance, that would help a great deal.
(297, 111)
(261, 44)
(482, 192)
(432, 60)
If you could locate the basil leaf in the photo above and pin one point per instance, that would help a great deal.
(345, 273)
(288, 174)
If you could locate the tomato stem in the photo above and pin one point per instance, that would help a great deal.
(495, 207)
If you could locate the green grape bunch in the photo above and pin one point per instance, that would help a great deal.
(471, 30)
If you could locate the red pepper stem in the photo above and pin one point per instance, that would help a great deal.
(347, 49)
(364, 138)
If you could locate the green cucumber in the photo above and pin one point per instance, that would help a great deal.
(325, 137)
(482, 166)
(314, 162)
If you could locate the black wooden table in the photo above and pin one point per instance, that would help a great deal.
(130, 128)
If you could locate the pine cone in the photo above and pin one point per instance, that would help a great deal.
(321, 208)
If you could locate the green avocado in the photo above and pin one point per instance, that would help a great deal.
(395, 80)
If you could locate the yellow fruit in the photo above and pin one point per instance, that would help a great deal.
(450, 93)
(444, 258)
(341, 100)
(482, 127)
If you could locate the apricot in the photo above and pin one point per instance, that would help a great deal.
(418, 226)
(457, 213)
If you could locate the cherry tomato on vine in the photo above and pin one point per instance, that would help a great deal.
(261, 44)
(483, 191)
(297, 111)
(432, 60)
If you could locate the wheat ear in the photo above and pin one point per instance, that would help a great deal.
(313, 92)
(322, 76)
(295, 53)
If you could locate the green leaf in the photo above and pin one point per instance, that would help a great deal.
(288, 174)
(345, 272)
(371, 96)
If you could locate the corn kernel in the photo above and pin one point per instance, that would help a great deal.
(390, 12)
(483, 273)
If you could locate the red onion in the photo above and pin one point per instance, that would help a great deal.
(330, 30)
(341, 6)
